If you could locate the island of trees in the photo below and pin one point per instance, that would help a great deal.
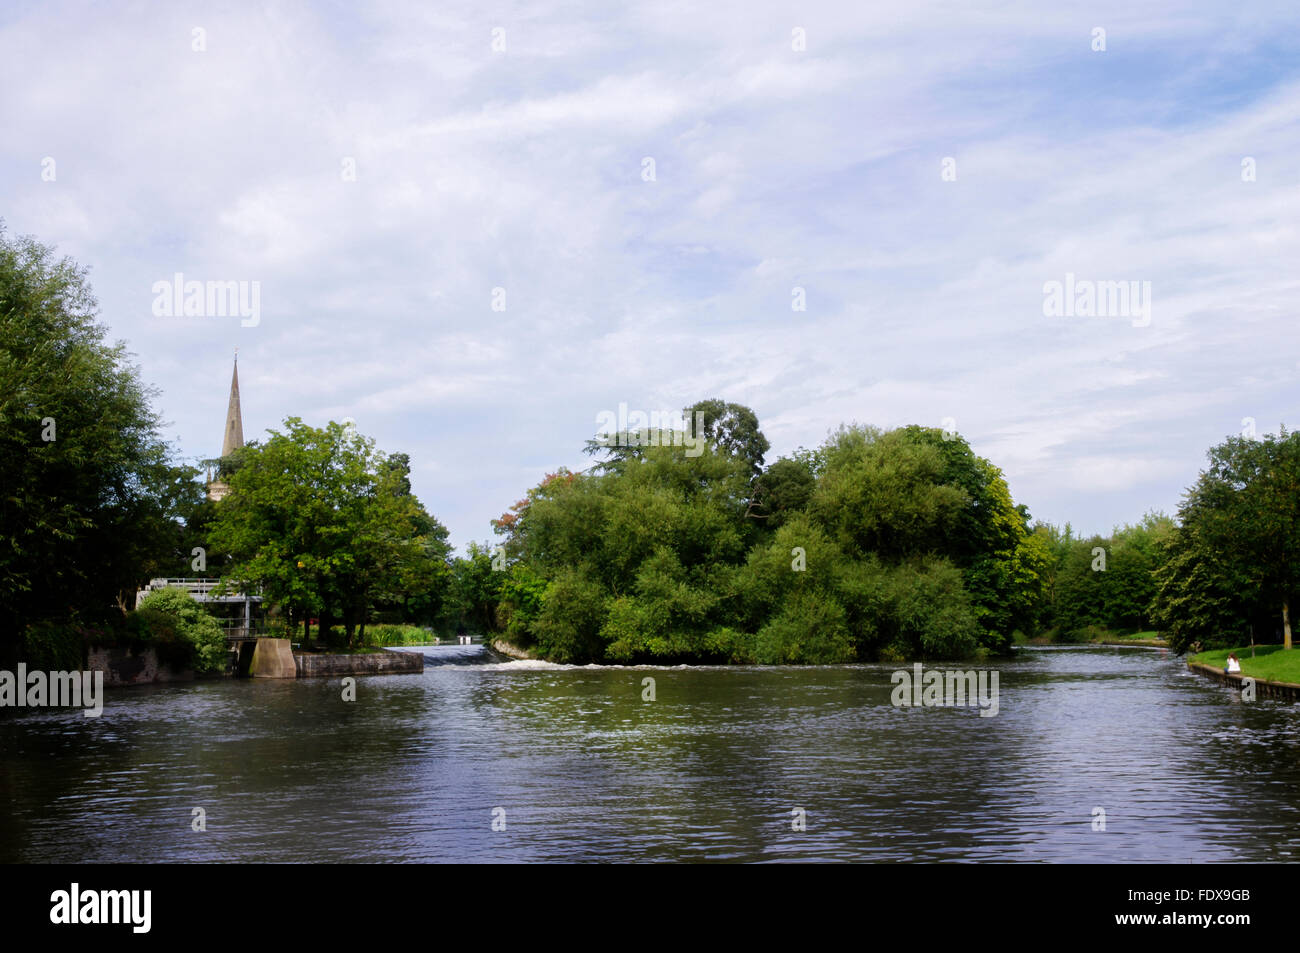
(875, 545)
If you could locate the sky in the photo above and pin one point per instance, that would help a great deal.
(473, 228)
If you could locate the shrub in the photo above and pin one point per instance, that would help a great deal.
(54, 647)
(396, 635)
(1086, 633)
(932, 611)
(573, 611)
(520, 603)
(182, 630)
(810, 629)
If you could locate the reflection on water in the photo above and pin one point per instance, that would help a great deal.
(584, 769)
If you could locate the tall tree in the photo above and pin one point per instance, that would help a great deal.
(733, 428)
(325, 525)
(1243, 514)
(89, 497)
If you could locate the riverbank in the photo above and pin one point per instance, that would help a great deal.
(514, 652)
(1150, 639)
(1271, 663)
(1262, 687)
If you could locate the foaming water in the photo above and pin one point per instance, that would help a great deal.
(716, 767)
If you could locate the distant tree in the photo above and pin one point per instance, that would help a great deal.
(871, 547)
(733, 428)
(783, 489)
(475, 589)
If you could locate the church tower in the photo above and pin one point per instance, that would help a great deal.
(233, 438)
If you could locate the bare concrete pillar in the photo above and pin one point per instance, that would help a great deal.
(273, 658)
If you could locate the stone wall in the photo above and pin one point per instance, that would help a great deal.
(121, 667)
(322, 665)
(512, 651)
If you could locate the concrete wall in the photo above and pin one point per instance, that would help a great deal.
(120, 667)
(1263, 689)
(319, 665)
(273, 658)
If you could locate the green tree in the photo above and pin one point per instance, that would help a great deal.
(476, 589)
(326, 525)
(89, 497)
(732, 428)
(869, 547)
(1237, 545)
(183, 629)
(783, 490)
(882, 493)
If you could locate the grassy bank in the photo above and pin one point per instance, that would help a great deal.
(1132, 638)
(1271, 662)
(1092, 635)
(376, 639)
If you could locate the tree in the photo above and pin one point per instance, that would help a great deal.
(1198, 597)
(89, 496)
(1001, 559)
(475, 589)
(733, 429)
(870, 547)
(634, 558)
(1237, 542)
(326, 525)
(783, 490)
(882, 493)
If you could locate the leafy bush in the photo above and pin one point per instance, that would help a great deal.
(573, 611)
(809, 630)
(396, 635)
(932, 612)
(1086, 633)
(521, 596)
(54, 647)
(182, 630)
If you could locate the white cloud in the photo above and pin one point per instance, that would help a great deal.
(775, 168)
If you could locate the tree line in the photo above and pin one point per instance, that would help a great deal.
(873, 545)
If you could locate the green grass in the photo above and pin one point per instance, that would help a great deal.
(382, 635)
(1271, 662)
(1088, 635)
(1151, 636)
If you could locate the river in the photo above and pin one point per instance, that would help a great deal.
(479, 760)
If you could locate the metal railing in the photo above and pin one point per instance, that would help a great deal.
(200, 590)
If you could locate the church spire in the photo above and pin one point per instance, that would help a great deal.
(234, 437)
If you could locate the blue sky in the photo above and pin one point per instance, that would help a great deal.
(775, 168)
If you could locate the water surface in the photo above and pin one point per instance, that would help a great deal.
(582, 768)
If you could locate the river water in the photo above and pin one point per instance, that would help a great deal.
(481, 760)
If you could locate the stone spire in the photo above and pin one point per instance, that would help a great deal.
(234, 438)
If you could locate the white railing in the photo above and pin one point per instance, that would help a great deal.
(200, 590)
